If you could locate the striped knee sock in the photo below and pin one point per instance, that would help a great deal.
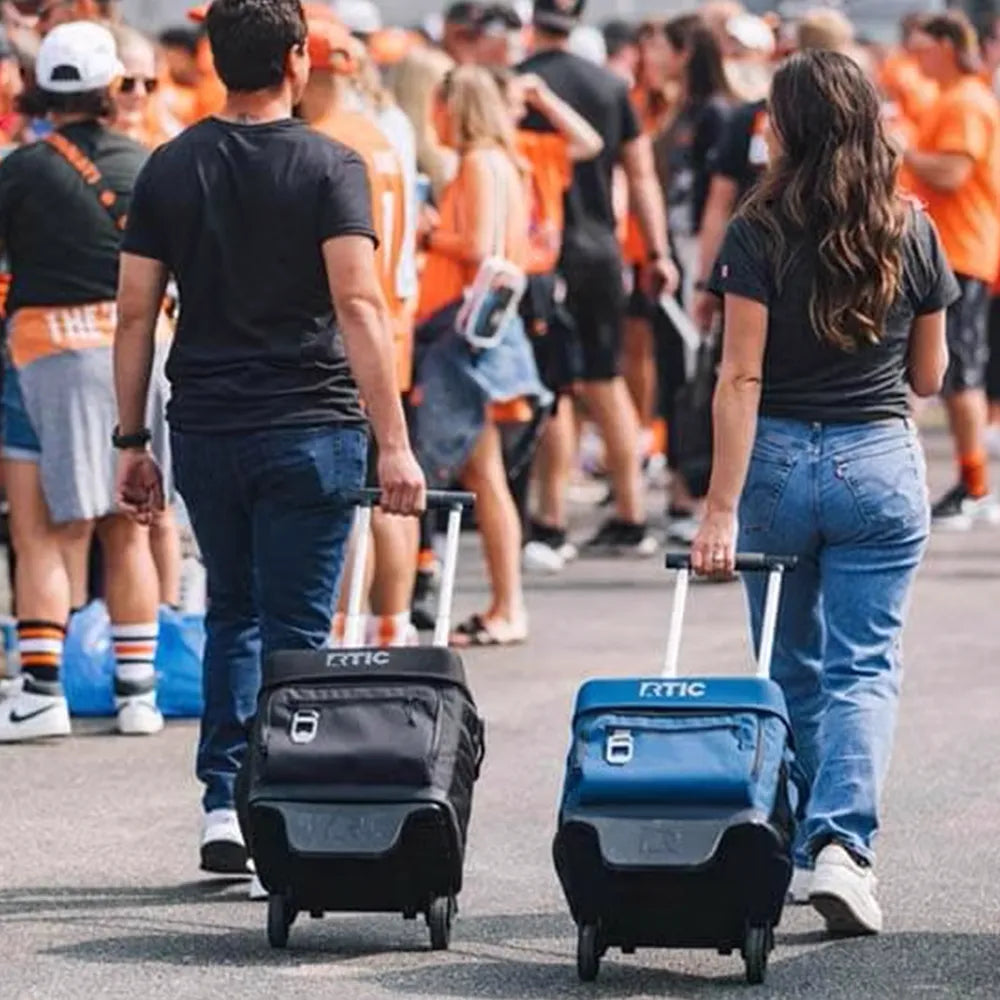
(135, 654)
(41, 648)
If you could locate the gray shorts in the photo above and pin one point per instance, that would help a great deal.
(69, 403)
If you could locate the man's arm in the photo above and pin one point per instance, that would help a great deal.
(647, 204)
(141, 286)
(943, 171)
(364, 321)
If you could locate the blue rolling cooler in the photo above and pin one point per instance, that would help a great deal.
(676, 821)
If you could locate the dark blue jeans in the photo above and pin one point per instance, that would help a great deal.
(269, 513)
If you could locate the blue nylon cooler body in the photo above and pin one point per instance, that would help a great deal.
(676, 818)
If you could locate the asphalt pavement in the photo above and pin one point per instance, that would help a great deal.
(100, 895)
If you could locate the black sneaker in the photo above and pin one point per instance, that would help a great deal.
(620, 538)
(958, 511)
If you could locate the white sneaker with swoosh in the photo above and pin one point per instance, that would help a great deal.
(29, 716)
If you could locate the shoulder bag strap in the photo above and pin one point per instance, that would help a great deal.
(91, 176)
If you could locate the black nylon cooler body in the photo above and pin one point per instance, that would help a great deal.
(357, 788)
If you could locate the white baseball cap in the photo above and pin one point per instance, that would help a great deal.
(360, 17)
(77, 57)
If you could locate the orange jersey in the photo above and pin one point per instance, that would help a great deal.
(385, 176)
(446, 274)
(904, 83)
(547, 153)
(651, 111)
(966, 121)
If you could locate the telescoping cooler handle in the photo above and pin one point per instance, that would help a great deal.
(775, 566)
(365, 500)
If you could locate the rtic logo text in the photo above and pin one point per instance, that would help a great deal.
(672, 689)
(362, 658)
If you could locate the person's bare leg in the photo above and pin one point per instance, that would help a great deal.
(165, 542)
(75, 541)
(37, 709)
(611, 408)
(967, 416)
(396, 542)
(132, 591)
(639, 367)
(554, 465)
(499, 526)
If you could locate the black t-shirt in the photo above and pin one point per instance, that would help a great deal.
(62, 243)
(239, 213)
(685, 155)
(741, 154)
(805, 377)
(601, 98)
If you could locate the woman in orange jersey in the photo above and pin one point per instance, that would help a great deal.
(484, 215)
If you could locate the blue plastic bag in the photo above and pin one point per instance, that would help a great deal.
(89, 663)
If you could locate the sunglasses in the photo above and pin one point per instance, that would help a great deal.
(130, 84)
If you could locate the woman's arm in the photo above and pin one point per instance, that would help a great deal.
(477, 239)
(737, 398)
(585, 142)
(927, 361)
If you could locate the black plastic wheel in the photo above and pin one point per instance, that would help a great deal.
(278, 920)
(756, 949)
(588, 953)
(439, 918)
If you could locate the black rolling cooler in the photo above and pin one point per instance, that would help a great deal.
(676, 821)
(357, 788)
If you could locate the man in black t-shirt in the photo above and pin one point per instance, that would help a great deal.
(266, 226)
(591, 257)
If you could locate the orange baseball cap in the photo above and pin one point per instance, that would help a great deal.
(392, 45)
(331, 47)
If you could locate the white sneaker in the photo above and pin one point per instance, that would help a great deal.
(257, 891)
(223, 850)
(800, 887)
(28, 716)
(138, 715)
(10, 687)
(843, 893)
(538, 557)
(683, 530)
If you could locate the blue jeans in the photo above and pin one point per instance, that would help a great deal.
(269, 515)
(851, 502)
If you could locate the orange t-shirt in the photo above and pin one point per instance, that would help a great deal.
(547, 153)
(966, 120)
(445, 277)
(905, 84)
(388, 189)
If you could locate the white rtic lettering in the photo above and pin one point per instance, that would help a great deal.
(361, 658)
(672, 689)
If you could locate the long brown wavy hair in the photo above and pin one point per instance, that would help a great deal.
(833, 186)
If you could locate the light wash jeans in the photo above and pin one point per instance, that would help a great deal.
(850, 500)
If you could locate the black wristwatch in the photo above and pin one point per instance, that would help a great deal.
(128, 442)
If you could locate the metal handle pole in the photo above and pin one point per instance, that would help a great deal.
(354, 626)
(442, 628)
(676, 623)
(770, 623)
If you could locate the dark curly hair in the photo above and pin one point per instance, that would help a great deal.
(37, 103)
(834, 184)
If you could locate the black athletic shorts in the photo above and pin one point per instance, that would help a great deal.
(552, 333)
(968, 337)
(993, 368)
(595, 297)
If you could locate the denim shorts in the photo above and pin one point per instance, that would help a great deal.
(20, 442)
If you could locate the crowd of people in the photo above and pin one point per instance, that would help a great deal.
(549, 203)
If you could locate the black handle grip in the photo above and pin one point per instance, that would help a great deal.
(746, 562)
(435, 498)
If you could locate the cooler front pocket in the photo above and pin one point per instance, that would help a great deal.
(668, 759)
(351, 736)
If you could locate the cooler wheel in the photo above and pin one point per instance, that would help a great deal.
(588, 953)
(756, 949)
(439, 920)
(281, 914)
